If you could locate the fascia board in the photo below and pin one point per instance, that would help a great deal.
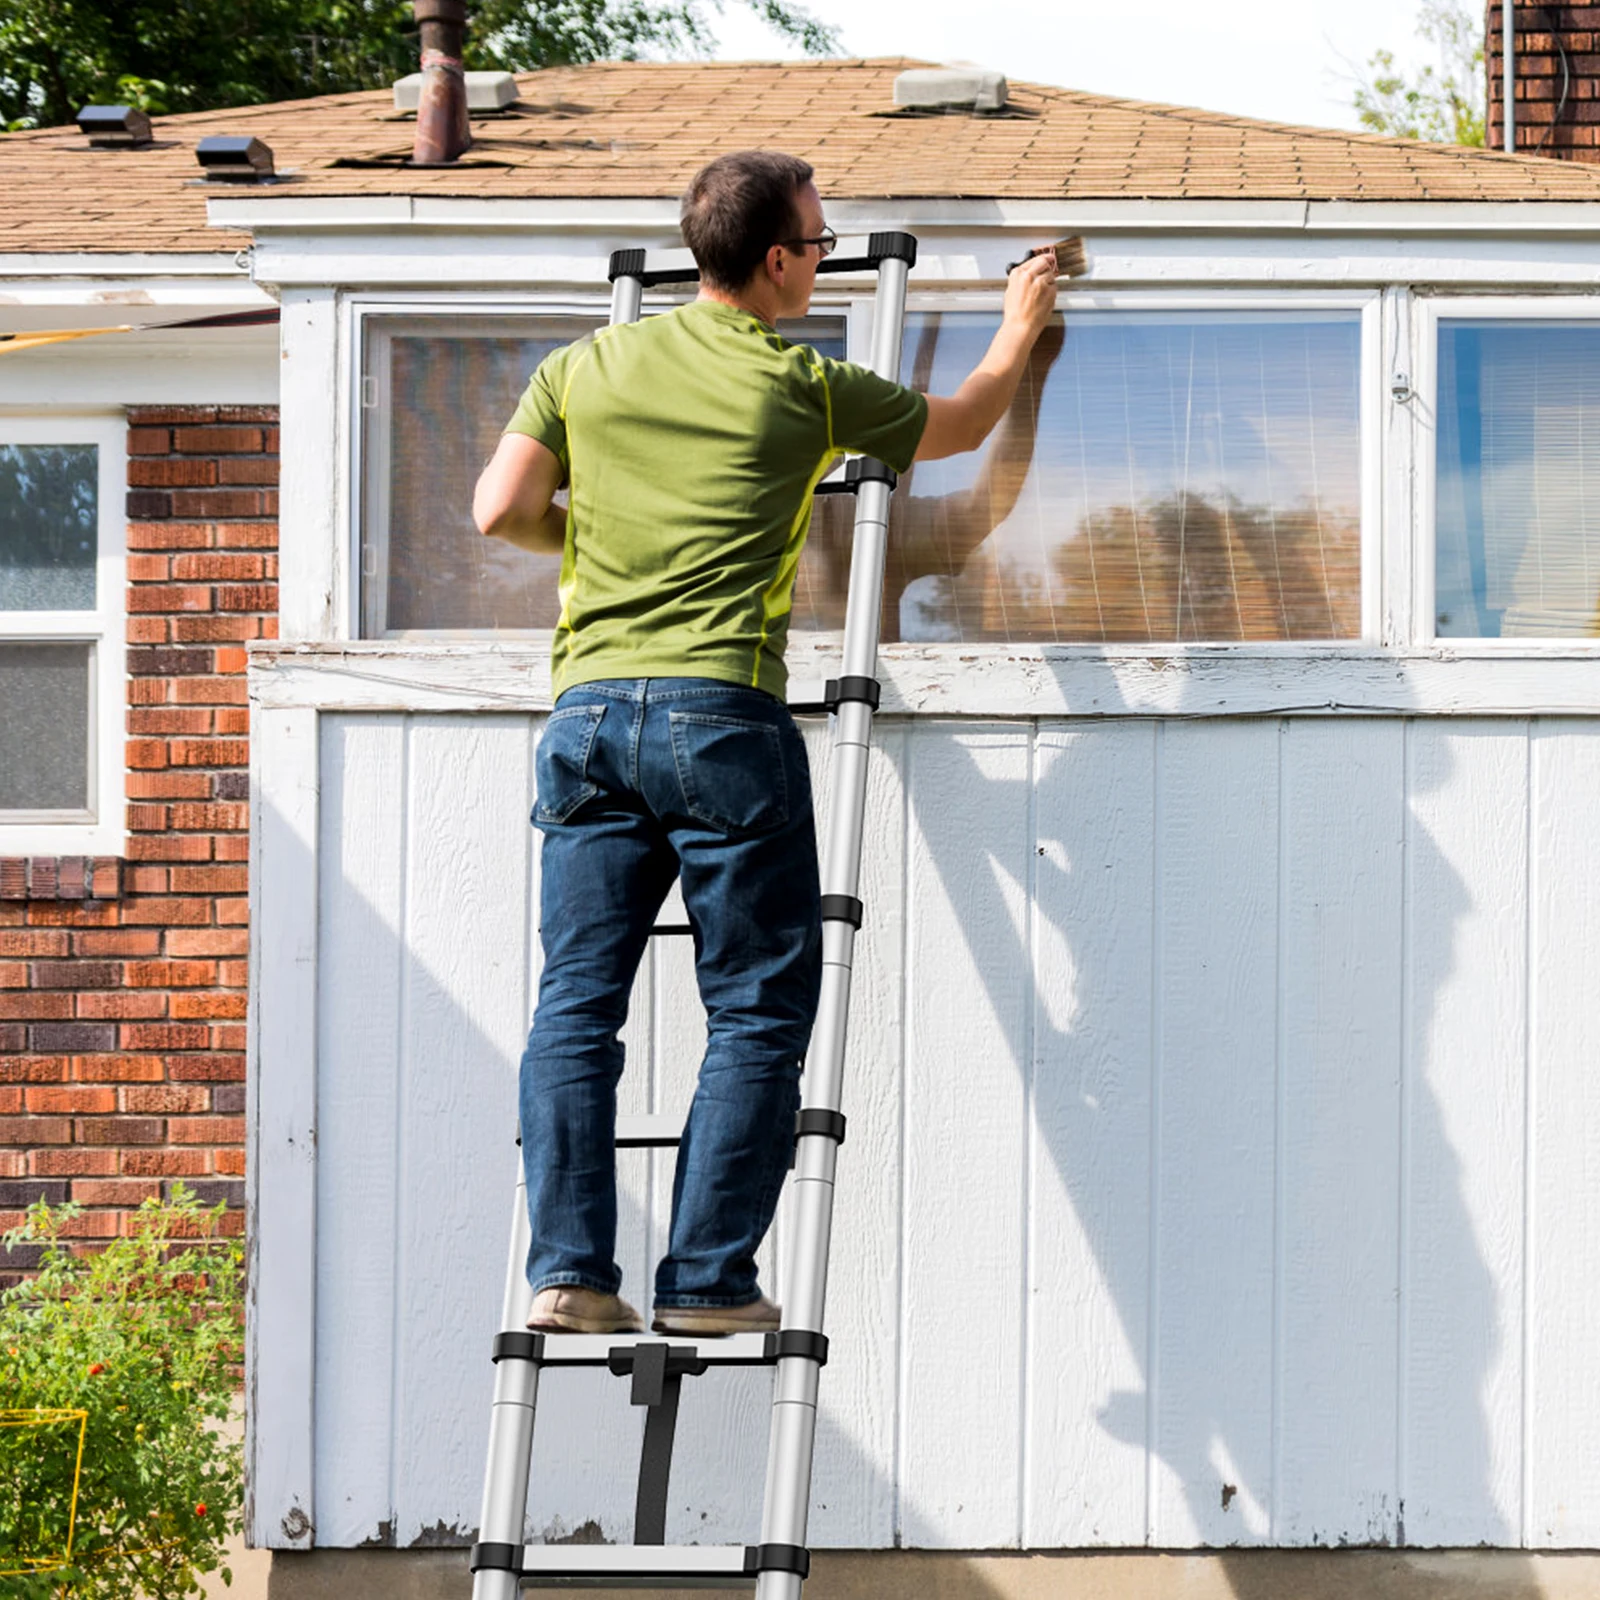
(223, 266)
(40, 302)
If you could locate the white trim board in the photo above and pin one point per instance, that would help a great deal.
(480, 675)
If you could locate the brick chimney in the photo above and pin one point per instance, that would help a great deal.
(1555, 70)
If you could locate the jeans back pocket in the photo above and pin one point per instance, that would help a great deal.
(561, 768)
(731, 771)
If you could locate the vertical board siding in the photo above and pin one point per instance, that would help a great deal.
(1221, 1162)
(1465, 960)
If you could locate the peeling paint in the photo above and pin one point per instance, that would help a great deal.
(296, 1525)
(1229, 1490)
(589, 1532)
(383, 1539)
(443, 1536)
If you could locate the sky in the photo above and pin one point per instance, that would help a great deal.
(1283, 60)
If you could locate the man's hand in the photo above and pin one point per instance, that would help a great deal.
(515, 495)
(964, 420)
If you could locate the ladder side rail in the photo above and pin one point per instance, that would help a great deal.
(786, 1508)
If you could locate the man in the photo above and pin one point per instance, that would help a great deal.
(691, 444)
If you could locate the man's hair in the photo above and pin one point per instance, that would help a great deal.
(737, 208)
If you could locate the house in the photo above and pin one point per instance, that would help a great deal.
(1219, 1175)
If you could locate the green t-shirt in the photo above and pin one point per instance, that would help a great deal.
(692, 442)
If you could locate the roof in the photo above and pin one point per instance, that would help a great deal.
(641, 129)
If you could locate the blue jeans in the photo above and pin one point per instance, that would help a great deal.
(641, 781)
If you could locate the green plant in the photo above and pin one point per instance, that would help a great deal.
(133, 1347)
(1443, 103)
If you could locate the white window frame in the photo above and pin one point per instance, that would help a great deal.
(101, 829)
(1428, 313)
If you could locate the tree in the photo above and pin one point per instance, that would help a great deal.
(167, 56)
(1444, 102)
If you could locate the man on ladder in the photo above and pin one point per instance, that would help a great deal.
(691, 444)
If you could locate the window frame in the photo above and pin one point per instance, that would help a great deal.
(100, 829)
(855, 304)
(1429, 312)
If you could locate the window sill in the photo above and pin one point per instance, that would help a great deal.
(1089, 681)
(60, 878)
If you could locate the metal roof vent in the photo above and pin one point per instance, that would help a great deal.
(486, 91)
(114, 127)
(234, 158)
(958, 88)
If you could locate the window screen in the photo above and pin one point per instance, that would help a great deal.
(1159, 478)
(44, 733)
(49, 526)
(1518, 483)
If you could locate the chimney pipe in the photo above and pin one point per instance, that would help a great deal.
(1508, 71)
(443, 128)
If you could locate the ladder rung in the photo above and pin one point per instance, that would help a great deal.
(654, 1132)
(637, 1565)
(594, 1349)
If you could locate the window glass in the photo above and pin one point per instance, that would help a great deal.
(443, 388)
(1518, 481)
(1160, 477)
(49, 522)
(44, 734)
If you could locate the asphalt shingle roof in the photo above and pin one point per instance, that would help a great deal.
(636, 129)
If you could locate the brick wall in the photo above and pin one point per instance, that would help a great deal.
(122, 982)
(1546, 125)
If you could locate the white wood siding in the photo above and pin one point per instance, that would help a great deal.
(1222, 1160)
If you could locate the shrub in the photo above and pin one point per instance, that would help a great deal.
(137, 1346)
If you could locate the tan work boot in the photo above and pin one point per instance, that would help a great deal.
(760, 1316)
(570, 1308)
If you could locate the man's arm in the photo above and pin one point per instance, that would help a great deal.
(515, 496)
(962, 421)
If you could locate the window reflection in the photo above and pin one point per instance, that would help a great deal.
(49, 526)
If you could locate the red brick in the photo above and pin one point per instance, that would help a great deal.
(146, 880)
(65, 1102)
(72, 1163)
(232, 660)
(231, 847)
(170, 474)
(34, 941)
(219, 503)
(42, 877)
(185, 1006)
(13, 1163)
(124, 1006)
(168, 786)
(229, 1163)
(151, 416)
(172, 597)
(209, 752)
(212, 691)
(185, 913)
(171, 662)
(117, 942)
(164, 1036)
(33, 1069)
(129, 1192)
(183, 942)
(13, 974)
(267, 414)
(247, 535)
(92, 1225)
(233, 913)
(106, 877)
(206, 1130)
(248, 469)
(210, 880)
(218, 568)
(27, 1131)
(214, 629)
(120, 1130)
(26, 1005)
(75, 974)
(75, 913)
(118, 1069)
(149, 569)
(149, 630)
(227, 817)
(228, 1036)
(13, 1036)
(149, 441)
(148, 691)
(246, 597)
(168, 535)
(170, 975)
(232, 720)
(169, 719)
(147, 755)
(218, 440)
(11, 1102)
(214, 1067)
(165, 1163)
(170, 847)
(167, 1099)
(146, 818)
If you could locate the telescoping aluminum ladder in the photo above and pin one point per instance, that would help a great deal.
(656, 1366)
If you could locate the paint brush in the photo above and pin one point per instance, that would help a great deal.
(1072, 260)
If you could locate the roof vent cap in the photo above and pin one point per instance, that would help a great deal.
(114, 127)
(234, 158)
(486, 91)
(951, 88)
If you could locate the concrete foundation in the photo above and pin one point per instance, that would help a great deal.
(919, 1575)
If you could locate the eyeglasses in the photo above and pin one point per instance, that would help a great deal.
(826, 242)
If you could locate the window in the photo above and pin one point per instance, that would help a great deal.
(61, 635)
(1517, 486)
(1162, 477)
